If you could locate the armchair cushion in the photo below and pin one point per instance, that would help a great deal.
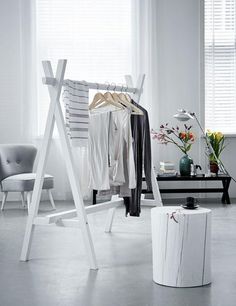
(16, 158)
(24, 182)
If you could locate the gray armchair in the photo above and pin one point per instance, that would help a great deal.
(16, 165)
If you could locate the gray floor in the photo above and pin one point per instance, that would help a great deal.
(57, 273)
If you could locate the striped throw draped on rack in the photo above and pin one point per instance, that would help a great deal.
(76, 101)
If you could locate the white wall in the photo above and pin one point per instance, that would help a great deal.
(10, 72)
(178, 34)
(179, 62)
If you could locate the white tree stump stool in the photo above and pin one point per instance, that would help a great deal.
(181, 246)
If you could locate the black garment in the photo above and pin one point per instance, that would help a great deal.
(142, 159)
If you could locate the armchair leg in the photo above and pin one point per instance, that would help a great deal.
(22, 195)
(5, 193)
(51, 198)
(28, 196)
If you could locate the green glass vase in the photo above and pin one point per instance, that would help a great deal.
(185, 165)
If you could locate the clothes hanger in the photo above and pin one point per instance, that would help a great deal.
(116, 96)
(120, 98)
(127, 101)
(123, 100)
(109, 100)
(98, 97)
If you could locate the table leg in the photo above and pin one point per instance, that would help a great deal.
(94, 197)
(225, 197)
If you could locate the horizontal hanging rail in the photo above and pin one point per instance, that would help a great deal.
(101, 86)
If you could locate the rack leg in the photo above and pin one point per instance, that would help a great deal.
(110, 217)
(54, 92)
(75, 187)
(33, 209)
(155, 189)
(28, 197)
(51, 198)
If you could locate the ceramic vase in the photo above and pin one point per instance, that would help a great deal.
(214, 168)
(185, 165)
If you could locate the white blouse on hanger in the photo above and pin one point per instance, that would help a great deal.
(98, 151)
(111, 155)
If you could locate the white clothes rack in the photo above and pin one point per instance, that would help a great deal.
(108, 86)
(76, 217)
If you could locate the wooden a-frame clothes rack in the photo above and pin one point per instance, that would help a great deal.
(76, 217)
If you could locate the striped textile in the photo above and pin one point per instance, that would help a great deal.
(76, 99)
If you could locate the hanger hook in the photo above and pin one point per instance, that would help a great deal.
(114, 84)
(108, 85)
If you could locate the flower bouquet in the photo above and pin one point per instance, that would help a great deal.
(183, 139)
(217, 140)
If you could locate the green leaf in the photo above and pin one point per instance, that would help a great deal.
(188, 147)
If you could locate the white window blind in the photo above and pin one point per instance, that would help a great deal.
(95, 37)
(220, 66)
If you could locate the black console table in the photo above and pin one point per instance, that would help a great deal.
(225, 179)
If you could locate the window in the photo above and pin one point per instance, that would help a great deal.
(95, 37)
(220, 66)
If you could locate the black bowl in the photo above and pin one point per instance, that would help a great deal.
(189, 207)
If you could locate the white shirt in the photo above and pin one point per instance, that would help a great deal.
(110, 149)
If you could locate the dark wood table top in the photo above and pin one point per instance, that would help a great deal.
(199, 177)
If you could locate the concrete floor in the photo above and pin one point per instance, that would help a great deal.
(58, 274)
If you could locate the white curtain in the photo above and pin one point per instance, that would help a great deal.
(145, 50)
(28, 70)
(145, 57)
(144, 60)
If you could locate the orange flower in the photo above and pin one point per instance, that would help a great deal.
(191, 136)
(182, 135)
